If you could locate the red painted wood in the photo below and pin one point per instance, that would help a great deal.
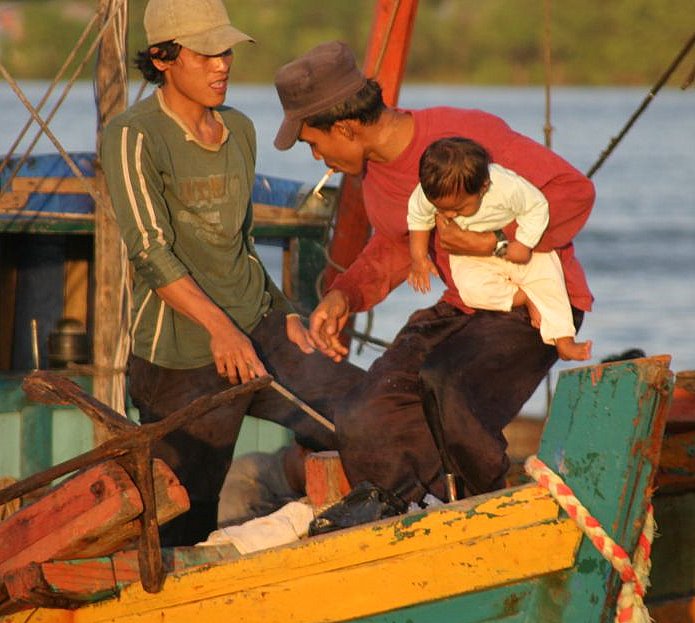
(326, 481)
(78, 510)
(385, 60)
(64, 583)
(91, 514)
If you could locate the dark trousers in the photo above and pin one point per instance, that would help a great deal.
(472, 373)
(200, 453)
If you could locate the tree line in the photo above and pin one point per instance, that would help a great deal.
(592, 42)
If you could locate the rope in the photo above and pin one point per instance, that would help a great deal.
(635, 573)
(83, 37)
(43, 124)
(642, 107)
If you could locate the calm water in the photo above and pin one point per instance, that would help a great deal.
(638, 247)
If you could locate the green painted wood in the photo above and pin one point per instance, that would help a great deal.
(46, 225)
(603, 438)
(72, 434)
(35, 437)
(506, 604)
(599, 436)
(12, 397)
(35, 440)
(10, 427)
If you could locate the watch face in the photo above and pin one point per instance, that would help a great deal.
(501, 248)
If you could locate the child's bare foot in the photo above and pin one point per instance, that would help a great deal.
(569, 350)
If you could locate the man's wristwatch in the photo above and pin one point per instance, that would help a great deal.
(502, 243)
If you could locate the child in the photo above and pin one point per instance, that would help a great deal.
(458, 181)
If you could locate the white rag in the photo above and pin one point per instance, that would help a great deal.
(285, 525)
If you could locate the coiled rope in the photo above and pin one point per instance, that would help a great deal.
(634, 573)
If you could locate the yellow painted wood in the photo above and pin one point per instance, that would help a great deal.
(10, 202)
(463, 547)
(51, 185)
(76, 290)
(63, 216)
(264, 214)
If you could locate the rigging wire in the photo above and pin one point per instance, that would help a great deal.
(645, 102)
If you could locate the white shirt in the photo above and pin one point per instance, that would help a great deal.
(510, 197)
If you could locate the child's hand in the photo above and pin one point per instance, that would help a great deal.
(517, 253)
(419, 276)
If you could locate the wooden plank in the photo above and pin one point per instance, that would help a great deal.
(76, 290)
(52, 185)
(110, 269)
(73, 514)
(12, 202)
(267, 215)
(677, 464)
(603, 437)
(171, 500)
(68, 582)
(385, 60)
(91, 514)
(415, 558)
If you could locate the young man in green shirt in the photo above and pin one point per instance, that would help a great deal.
(180, 171)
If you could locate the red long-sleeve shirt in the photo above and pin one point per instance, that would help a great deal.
(385, 260)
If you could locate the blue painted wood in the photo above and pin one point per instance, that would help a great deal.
(36, 440)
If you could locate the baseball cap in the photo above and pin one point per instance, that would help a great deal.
(200, 25)
(319, 79)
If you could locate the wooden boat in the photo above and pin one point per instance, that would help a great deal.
(508, 556)
(513, 555)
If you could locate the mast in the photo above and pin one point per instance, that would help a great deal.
(110, 332)
(385, 60)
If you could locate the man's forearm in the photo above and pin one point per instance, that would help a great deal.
(186, 297)
(459, 241)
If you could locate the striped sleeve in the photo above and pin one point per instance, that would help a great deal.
(135, 188)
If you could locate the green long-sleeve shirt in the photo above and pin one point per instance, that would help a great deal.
(184, 208)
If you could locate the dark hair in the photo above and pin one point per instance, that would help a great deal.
(364, 106)
(453, 166)
(164, 51)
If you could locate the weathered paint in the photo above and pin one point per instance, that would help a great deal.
(450, 551)
(596, 439)
(507, 551)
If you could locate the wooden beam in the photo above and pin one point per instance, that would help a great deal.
(385, 60)
(109, 264)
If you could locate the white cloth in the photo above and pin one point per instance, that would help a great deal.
(284, 526)
(509, 198)
(491, 282)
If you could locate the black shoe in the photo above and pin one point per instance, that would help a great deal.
(365, 503)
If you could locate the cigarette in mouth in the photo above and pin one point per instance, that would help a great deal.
(322, 182)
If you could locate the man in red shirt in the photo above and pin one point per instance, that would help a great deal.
(467, 373)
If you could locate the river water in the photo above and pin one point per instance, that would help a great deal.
(638, 247)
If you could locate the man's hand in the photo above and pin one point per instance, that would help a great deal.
(298, 334)
(459, 241)
(517, 253)
(326, 323)
(234, 355)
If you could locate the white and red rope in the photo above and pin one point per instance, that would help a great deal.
(634, 573)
